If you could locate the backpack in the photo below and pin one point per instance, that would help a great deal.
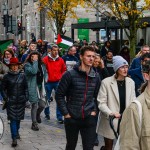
(117, 146)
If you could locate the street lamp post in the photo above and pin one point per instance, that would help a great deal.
(21, 20)
(5, 18)
(97, 19)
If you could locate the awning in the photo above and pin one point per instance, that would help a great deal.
(113, 24)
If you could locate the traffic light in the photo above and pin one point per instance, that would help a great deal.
(19, 28)
(5, 20)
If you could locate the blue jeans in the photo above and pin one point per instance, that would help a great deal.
(49, 86)
(14, 128)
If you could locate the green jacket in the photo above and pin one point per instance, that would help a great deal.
(31, 71)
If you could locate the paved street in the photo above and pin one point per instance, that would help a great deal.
(51, 135)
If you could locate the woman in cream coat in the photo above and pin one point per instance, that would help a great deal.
(115, 94)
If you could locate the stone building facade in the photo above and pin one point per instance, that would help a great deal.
(36, 23)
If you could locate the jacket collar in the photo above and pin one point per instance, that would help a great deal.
(91, 74)
(54, 59)
(147, 97)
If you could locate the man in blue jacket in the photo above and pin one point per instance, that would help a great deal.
(136, 63)
(70, 59)
(136, 74)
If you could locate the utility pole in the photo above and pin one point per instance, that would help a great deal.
(97, 20)
(8, 21)
(21, 20)
(5, 18)
(42, 24)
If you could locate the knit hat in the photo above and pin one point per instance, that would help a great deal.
(118, 62)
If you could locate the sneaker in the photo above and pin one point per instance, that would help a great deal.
(14, 143)
(60, 121)
(34, 126)
(47, 117)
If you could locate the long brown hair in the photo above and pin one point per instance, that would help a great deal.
(10, 50)
(143, 87)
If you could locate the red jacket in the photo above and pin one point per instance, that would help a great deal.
(55, 68)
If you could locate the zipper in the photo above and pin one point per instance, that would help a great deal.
(85, 92)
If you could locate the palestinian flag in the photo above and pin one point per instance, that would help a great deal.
(4, 44)
(64, 41)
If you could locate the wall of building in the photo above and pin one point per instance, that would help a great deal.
(31, 20)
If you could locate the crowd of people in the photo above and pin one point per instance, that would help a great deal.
(90, 85)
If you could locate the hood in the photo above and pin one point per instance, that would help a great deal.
(54, 59)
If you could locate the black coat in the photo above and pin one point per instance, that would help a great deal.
(16, 94)
(81, 92)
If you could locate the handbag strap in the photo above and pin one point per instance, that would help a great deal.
(139, 111)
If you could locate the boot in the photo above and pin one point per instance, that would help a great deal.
(34, 126)
(14, 143)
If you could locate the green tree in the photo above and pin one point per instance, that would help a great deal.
(58, 11)
(125, 9)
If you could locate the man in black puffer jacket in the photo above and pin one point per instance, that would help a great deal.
(80, 86)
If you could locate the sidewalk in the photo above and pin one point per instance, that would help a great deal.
(51, 135)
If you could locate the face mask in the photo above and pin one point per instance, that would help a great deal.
(7, 60)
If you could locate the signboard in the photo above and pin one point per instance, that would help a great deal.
(83, 33)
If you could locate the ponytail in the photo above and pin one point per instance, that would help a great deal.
(143, 86)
